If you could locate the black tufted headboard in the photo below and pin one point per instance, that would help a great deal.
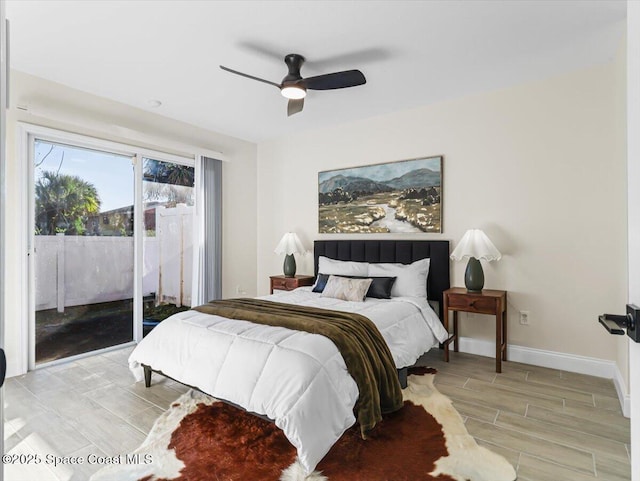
(404, 252)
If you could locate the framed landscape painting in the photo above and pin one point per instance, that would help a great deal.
(394, 197)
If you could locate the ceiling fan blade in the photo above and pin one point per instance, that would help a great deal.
(249, 76)
(337, 80)
(294, 106)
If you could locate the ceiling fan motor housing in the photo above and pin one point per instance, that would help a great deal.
(294, 62)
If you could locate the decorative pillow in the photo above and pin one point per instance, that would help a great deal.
(346, 288)
(342, 268)
(380, 287)
(411, 278)
(321, 283)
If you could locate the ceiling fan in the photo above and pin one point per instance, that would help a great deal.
(294, 87)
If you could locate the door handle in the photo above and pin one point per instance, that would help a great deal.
(3, 367)
(617, 323)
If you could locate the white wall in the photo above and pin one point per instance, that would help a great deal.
(531, 165)
(68, 109)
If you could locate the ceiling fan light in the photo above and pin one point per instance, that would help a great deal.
(293, 92)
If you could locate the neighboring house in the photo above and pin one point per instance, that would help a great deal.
(119, 222)
(150, 217)
(115, 222)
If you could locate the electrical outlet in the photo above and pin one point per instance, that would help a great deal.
(524, 318)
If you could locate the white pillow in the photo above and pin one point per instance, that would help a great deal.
(346, 288)
(342, 268)
(411, 279)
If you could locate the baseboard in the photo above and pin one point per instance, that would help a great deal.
(623, 396)
(15, 369)
(555, 360)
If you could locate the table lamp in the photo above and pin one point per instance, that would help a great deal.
(475, 245)
(289, 244)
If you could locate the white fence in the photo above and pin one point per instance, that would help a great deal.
(174, 232)
(79, 270)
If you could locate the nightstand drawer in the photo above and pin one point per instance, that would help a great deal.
(470, 303)
(285, 283)
(282, 283)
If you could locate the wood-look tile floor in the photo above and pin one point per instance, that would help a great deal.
(551, 425)
(86, 408)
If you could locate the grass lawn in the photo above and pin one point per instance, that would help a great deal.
(82, 329)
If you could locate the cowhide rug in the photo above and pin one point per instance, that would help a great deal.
(200, 438)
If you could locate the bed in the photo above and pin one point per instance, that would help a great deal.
(298, 379)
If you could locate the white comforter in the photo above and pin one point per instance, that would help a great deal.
(295, 378)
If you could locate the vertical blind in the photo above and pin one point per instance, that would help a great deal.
(207, 271)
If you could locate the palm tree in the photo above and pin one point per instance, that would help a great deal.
(168, 173)
(167, 182)
(64, 203)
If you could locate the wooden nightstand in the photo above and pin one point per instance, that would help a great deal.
(488, 301)
(283, 283)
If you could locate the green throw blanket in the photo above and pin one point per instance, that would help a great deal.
(365, 352)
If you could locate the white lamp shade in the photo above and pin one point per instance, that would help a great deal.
(475, 243)
(289, 244)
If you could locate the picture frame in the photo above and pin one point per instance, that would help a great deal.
(403, 196)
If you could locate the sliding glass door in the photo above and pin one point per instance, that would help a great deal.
(110, 242)
(168, 197)
(83, 249)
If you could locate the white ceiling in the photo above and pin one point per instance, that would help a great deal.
(413, 53)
